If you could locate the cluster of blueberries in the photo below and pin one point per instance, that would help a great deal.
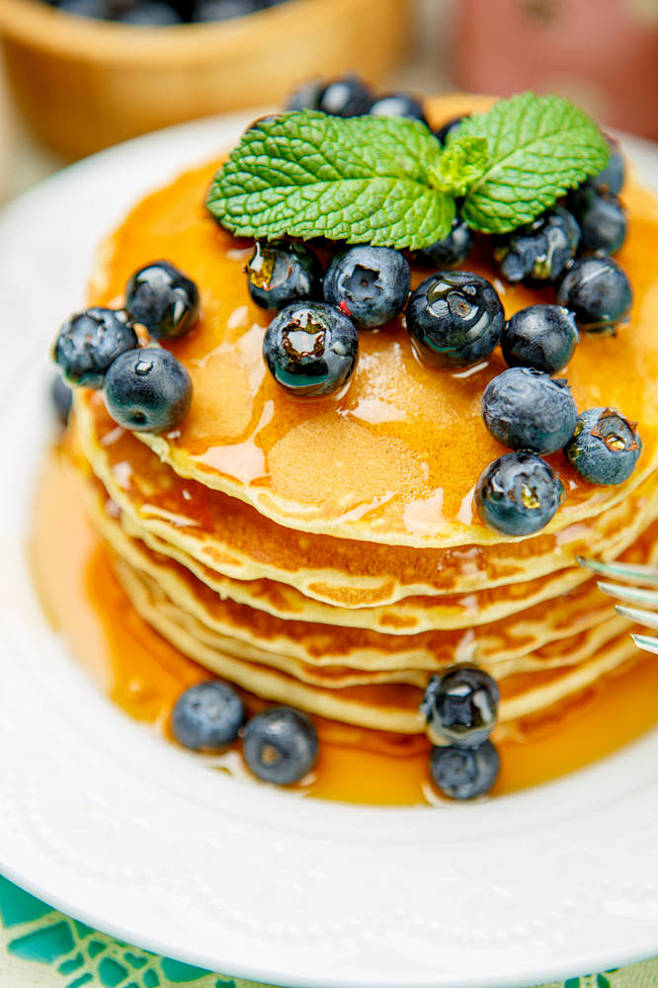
(162, 13)
(280, 745)
(146, 388)
(455, 319)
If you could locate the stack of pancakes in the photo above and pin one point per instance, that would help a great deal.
(326, 553)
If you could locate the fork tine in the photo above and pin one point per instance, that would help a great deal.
(648, 643)
(621, 571)
(648, 618)
(636, 595)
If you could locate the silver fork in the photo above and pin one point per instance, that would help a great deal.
(632, 574)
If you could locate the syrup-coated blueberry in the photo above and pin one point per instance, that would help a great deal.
(454, 318)
(518, 493)
(539, 251)
(461, 705)
(611, 179)
(465, 773)
(147, 390)
(541, 336)
(207, 716)
(524, 408)
(279, 274)
(441, 133)
(224, 10)
(280, 745)
(151, 13)
(89, 342)
(373, 282)
(62, 398)
(605, 446)
(598, 292)
(452, 250)
(602, 221)
(163, 299)
(311, 348)
(398, 105)
(345, 97)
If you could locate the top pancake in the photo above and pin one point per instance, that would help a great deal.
(394, 460)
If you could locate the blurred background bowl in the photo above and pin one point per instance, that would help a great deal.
(85, 84)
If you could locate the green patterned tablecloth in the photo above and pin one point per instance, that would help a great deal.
(41, 948)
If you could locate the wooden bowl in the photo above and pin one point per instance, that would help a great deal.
(83, 84)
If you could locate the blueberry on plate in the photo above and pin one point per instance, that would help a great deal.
(89, 342)
(465, 773)
(524, 408)
(518, 493)
(398, 105)
(151, 13)
(279, 274)
(311, 348)
(598, 292)
(461, 706)
(602, 220)
(441, 133)
(450, 251)
(163, 299)
(611, 179)
(96, 9)
(539, 251)
(373, 282)
(604, 447)
(62, 399)
(223, 10)
(147, 390)
(345, 97)
(280, 745)
(207, 716)
(541, 336)
(454, 318)
(307, 95)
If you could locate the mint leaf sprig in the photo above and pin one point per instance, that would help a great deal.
(389, 183)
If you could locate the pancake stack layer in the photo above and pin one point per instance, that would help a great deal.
(326, 553)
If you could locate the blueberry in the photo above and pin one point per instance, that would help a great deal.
(373, 282)
(541, 336)
(163, 299)
(539, 251)
(151, 13)
(311, 348)
(223, 10)
(604, 447)
(279, 274)
(96, 9)
(207, 716)
(461, 705)
(518, 493)
(442, 132)
(280, 745)
(89, 341)
(345, 97)
(454, 318)
(524, 408)
(398, 105)
(307, 96)
(450, 251)
(464, 773)
(62, 398)
(598, 292)
(611, 179)
(602, 221)
(147, 390)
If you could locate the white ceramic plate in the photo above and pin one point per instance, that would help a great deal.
(100, 817)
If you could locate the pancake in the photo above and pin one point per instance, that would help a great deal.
(395, 459)
(233, 539)
(381, 706)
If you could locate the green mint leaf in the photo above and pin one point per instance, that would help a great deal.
(369, 180)
(462, 163)
(539, 146)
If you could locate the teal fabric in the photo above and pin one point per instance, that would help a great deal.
(41, 948)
